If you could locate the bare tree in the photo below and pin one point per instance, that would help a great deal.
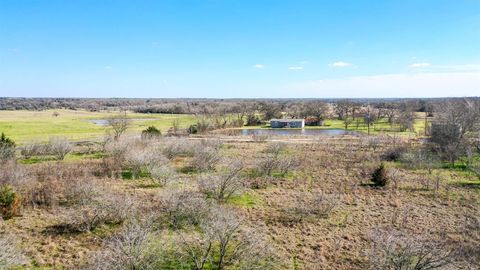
(222, 187)
(345, 112)
(59, 146)
(127, 249)
(397, 250)
(185, 208)
(222, 242)
(119, 124)
(455, 120)
(205, 158)
(369, 116)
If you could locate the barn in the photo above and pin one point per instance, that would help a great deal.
(287, 123)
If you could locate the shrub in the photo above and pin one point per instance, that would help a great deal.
(127, 249)
(151, 132)
(33, 149)
(7, 148)
(307, 206)
(205, 158)
(275, 148)
(59, 147)
(275, 162)
(9, 202)
(106, 209)
(192, 129)
(161, 174)
(260, 138)
(394, 153)
(222, 243)
(394, 249)
(222, 187)
(469, 249)
(143, 160)
(185, 208)
(379, 176)
(179, 147)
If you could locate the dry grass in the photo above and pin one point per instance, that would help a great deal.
(329, 192)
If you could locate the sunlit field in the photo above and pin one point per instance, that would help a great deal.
(25, 126)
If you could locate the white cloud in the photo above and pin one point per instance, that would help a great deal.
(391, 85)
(464, 67)
(420, 65)
(259, 66)
(340, 64)
(295, 68)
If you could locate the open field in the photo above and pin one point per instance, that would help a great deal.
(24, 126)
(27, 126)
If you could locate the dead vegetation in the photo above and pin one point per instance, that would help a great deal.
(242, 205)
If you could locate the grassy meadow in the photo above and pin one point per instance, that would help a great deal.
(25, 126)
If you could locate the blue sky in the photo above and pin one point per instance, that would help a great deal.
(240, 48)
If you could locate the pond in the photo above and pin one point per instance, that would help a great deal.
(289, 132)
(104, 122)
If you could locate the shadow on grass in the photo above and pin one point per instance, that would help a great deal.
(467, 184)
(61, 229)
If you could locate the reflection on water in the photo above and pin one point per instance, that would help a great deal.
(286, 132)
(104, 122)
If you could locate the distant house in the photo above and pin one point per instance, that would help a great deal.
(287, 123)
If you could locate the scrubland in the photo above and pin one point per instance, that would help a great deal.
(270, 203)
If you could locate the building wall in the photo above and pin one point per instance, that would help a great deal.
(290, 124)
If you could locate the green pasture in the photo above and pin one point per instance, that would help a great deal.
(25, 126)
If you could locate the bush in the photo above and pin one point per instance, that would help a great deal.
(127, 249)
(7, 148)
(192, 129)
(307, 206)
(33, 149)
(9, 202)
(59, 147)
(151, 132)
(106, 209)
(205, 158)
(275, 162)
(394, 153)
(185, 208)
(142, 160)
(396, 250)
(161, 174)
(379, 176)
(179, 148)
(222, 187)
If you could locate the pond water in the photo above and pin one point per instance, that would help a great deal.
(289, 132)
(104, 122)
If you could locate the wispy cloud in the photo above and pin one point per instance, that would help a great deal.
(420, 65)
(295, 68)
(107, 67)
(464, 67)
(340, 64)
(259, 66)
(426, 84)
